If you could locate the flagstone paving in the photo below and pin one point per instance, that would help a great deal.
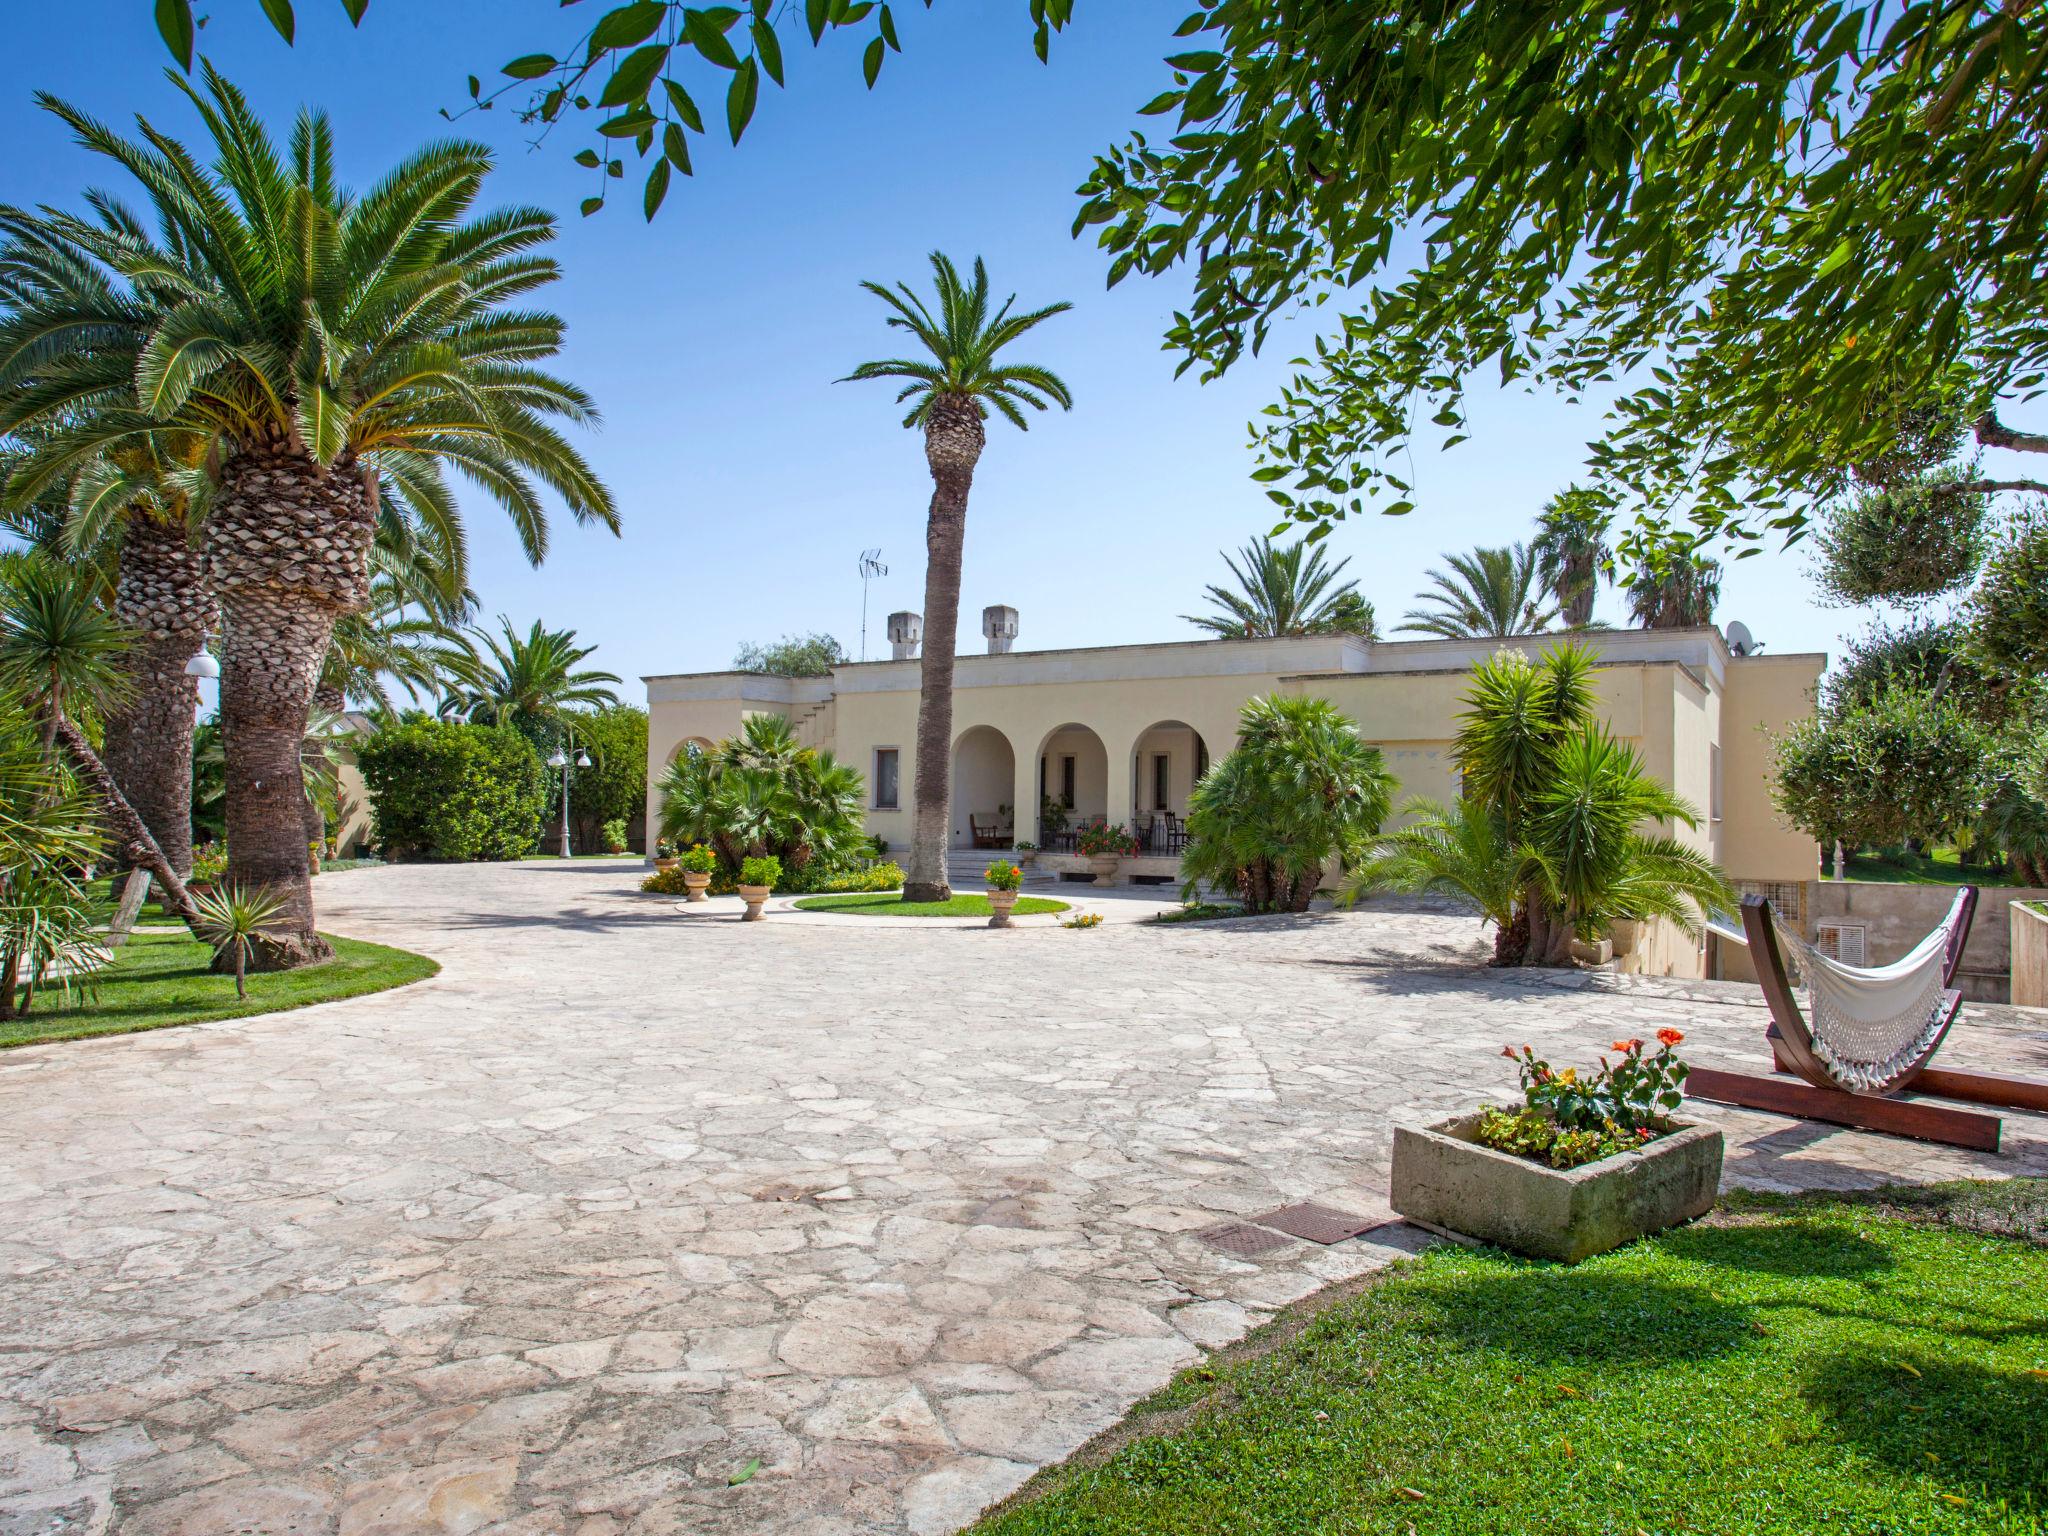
(628, 1200)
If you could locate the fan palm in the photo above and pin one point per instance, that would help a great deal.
(1677, 590)
(951, 390)
(1571, 549)
(761, 793)
(1487, 593)
(524, 681)
(1288, 591)
(327, 342)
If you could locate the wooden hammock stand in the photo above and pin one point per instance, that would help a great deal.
(1811, 1090)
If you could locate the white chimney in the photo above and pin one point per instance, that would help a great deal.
(1000, 625)
(905, 631)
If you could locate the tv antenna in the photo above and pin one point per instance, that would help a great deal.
(870, 567)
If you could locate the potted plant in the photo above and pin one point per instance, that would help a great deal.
(757, 881)
(209, 865)
(1103, 845)
(1582, 1165)
(614, 835)
(1024, 852)
(664, 855)
(697, 864)
(1003, 879)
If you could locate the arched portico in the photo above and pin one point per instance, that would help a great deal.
(984, 780)
(1168, 759)
(1073, 783)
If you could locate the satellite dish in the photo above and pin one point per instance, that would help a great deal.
(1740, 640)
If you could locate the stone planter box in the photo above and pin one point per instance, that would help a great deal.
(1446, 1181)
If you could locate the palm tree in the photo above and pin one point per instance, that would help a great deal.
(1488, 593)
(761, 793)
(327, 342)
(1286, 591)
(951, 391)
(1571, 549)
(1674, 590)
(524, 682)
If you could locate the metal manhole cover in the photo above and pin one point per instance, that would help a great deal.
(1236, 1237)
(1317, 1223)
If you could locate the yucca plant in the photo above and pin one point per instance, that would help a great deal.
(235, 919)
(951, 389)
(325, 342)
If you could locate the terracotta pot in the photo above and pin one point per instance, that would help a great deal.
(1001, 902)
(1104, 865)
(694, 883)
(754, 896)
(663, 866)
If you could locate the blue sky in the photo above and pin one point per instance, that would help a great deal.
(748, 480)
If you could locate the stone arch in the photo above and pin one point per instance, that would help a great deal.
(1073, 769)
(984, 779)
(1168, 757)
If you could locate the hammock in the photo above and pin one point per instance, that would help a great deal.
(1869, 1026)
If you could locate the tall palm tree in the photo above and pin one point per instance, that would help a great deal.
(526, 682)
(1488, 593)
(1571, 548)
(1677, 591)
(951, 390)
(329, 342)
(1288, 591)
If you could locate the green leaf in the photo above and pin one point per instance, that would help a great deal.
(685, 108)
(657, 189)
(1165, 101)
(627, 25)
(739, 98)
(631, 125)
(871, 61)
(814, 18)
(636, 72)
(676, 148)
(355, 9)
(591, 205)
(280, 14)
(888, 29)
(768, 49)
(587, 158)
(174, 24)
(1836, 257)
(744, 1474)
(530, 66)
(1195, 63)
(708, 38)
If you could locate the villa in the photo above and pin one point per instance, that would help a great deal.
(1047, 741)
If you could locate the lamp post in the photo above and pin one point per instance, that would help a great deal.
(561, 760)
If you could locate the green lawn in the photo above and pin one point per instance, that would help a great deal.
(889, 904)
(160, 977)
(1937, 866)
(1793, 1367)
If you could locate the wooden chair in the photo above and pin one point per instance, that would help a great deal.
(1835, 1076)
(986, 832)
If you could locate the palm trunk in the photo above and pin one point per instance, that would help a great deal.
(1579, 585)
(163, 596)
(136, 845)
(953, 440)
(288, 551)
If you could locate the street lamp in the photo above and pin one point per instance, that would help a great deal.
(202, 665)
(560, 759)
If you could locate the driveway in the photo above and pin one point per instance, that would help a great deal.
(629, 1200)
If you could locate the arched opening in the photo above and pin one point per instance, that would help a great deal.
(1073, 785)
(984, 781)
(696, 744)
(1167, 761)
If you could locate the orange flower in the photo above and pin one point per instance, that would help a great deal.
(1628, 1045)
(1670, 1036)
(1509, 1052)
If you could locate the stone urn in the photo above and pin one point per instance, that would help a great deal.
(1104, 865)
(1000, 903)
(663, 866)
(1022, 857)
(695, 883)
(755, 896)
(1445, 1180)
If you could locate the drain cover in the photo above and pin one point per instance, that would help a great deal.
(1236, 1237)
(1318, 1223)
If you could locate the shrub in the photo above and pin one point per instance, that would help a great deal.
(765, 870)
(1899, 766)
(761, 792)
(445, 791)
(615, 835)
(1003, 876)
(614, 786)
(1083, 920)
(665, 882)
(1101, 838)
(886, 875)
(697, 860)
(209, 863)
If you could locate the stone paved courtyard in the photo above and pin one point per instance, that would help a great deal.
(628, 1199)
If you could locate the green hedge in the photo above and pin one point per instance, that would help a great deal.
(456, 792)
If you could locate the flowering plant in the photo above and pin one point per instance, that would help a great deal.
(697, 860)
(664, 848)
(1626, 1096)
(1101, 838)
(762, 871)
(1003, 876)
(1083, 920)
(1024, 845)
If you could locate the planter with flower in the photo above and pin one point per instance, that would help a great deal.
(757, 880)
(1586, 1162)
(664, 855)
(1003, 880)
(1023, 852)
(697, 864)
(1103, 846)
